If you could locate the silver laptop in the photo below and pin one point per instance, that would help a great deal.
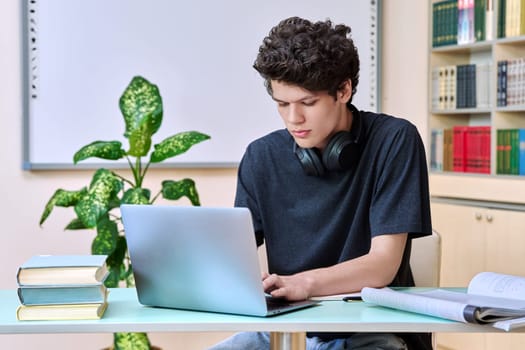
(198, 258)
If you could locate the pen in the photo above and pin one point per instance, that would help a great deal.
(352, 298)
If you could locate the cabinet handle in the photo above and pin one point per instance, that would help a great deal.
(489, 218)
(478, 216)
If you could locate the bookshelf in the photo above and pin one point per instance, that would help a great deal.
(482, 53)
(478, 209)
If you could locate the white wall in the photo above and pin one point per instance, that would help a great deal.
(23, 194)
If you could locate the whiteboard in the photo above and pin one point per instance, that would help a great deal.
(81, 55)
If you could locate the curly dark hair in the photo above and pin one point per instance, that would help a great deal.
(315, 56)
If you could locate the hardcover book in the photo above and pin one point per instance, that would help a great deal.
(81, 294)
(63, 270)
(61, 312)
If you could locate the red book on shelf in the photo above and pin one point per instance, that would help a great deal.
(485, 149)
(471, 159)
(459, 149)
(477, 149)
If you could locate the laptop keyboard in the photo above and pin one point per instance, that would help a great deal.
(277, 303)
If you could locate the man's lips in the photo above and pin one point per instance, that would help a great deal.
(300, 133)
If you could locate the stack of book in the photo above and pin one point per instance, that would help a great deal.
(62, 287)
(511, 18)
(510, 152)
(461, 86)
(461, 21)
(511, 82)
(461, 149)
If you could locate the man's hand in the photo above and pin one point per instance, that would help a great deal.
(375, 269)
(294, 287)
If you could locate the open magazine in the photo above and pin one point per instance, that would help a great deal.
(491, 298)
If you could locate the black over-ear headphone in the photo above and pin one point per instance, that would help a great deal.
(340, 153)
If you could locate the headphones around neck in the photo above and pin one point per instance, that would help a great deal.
(340, 153)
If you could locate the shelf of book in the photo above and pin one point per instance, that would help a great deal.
(477, 82)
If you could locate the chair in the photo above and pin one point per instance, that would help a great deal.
(425, 260)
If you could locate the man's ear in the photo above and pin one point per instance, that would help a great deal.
(345, 91)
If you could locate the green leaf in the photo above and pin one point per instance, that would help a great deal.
(141, 106)
(101, 194)
(176, 144)
(111, 150)
(76, 224)
(175, 190)
(131, 341)
(136, 196)
(116, 263)
(62, 198)
(105, 241)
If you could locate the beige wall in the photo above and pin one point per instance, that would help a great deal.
(23, 194)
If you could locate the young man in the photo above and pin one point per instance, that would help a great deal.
(338, 195)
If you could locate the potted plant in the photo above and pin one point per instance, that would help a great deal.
(97, 205)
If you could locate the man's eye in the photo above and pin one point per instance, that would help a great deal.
(282, 104)
(309, 103)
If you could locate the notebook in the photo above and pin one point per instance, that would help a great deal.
(198, 258)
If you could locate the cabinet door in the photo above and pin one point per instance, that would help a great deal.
(462, 256)
(505, 254)
(505, 241)
(463, 242)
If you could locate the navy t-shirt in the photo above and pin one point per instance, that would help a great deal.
(310, 222)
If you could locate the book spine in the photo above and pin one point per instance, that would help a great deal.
(485, 149)
(501, 18)
(448, 151)
(480, 19)
(470, 312)
(459, 148)
(514, 151)
(521, 152)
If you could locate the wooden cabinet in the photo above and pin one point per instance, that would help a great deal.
(477, 237)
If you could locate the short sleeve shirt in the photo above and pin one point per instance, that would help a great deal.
(310, 222)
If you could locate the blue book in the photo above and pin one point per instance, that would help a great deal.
(50, 295)
(63, 270)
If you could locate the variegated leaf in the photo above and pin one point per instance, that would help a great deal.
(131, 341)
(136, 196)
(176, 144)
(62, 198)
(102, 191)
(105, 241)
(76, 224)
(141, 107)
(115, 262)
(177, 189)
(111, 150)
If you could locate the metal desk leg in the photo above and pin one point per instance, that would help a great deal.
(288, 341)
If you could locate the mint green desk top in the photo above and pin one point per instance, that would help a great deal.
(125, 314)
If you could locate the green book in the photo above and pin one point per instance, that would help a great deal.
(479, 19)
(514, 152)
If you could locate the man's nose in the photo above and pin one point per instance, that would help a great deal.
(295, 114)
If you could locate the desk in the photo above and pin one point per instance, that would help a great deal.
(125, 314)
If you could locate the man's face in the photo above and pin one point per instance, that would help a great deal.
(310, 117)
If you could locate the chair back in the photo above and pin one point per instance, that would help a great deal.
(425, 260)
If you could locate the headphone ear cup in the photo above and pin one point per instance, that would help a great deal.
(310, 161)
(338, 153)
